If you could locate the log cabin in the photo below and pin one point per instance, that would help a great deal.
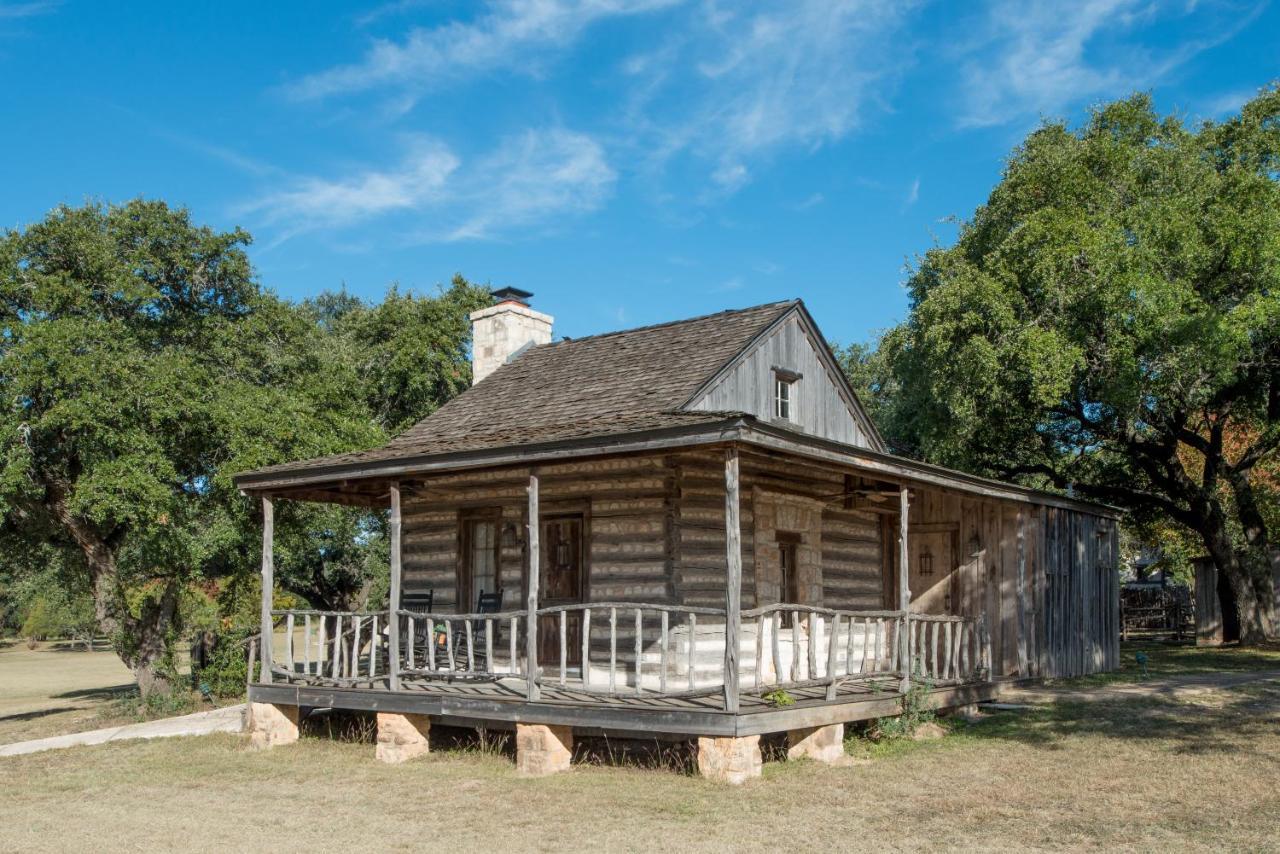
(691, 531)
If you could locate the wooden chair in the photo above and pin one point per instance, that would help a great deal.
(421, 602)
(487, 603)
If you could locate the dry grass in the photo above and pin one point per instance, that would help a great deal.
(55, 689)
(1143, 774)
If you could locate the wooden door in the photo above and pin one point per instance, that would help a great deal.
(932, 559)
(560, 582)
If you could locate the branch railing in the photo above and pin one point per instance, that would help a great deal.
(623, 649)
(462, 646)
(631, 648)
(336, 647)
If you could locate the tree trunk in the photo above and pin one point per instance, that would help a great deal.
(1248, 574)
(142, 642)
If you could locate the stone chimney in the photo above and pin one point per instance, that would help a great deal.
(503, 330)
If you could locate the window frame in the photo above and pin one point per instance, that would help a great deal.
(785, 393)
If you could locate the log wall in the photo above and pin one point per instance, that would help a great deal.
(654, 528)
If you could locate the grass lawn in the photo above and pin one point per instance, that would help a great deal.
(55, 688)
(1197, 773)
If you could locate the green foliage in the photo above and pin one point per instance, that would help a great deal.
(143, 366)
(1110, 321)
(914, 712)
(779, 698)
(226, 673)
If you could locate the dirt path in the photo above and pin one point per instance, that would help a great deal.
(1162, 686)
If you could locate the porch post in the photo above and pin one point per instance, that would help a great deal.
(531, 630)
(733, 580)
(268, 582)
(393, 611)
(904, 586)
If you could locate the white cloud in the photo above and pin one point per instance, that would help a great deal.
(533, 176)
(913, 194)
(526, 179)
(724, 86)
(506, 37)
(31, 9)
(419, 180)
(746, 81)
(1034, 58)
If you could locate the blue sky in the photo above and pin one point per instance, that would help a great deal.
(629, 162)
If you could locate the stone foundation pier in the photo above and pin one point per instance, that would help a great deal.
(402, 737)
(542, 749)
(271, 725)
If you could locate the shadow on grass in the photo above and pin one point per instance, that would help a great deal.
(39, 713)
(112, 692)
(1174, 658)
(1224, 726)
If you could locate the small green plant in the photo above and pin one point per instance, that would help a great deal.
(914, 712)
(779, 698)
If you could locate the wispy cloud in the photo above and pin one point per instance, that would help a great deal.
(13, 11)
(913, 194)
(810, 201)
(535, 175)
(747, 81)
(509, 36)
(1033, 59)
(723, 87)
(528, 177)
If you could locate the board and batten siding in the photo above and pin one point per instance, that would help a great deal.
(818, 407)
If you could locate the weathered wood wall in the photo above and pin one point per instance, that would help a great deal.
(1052, 602)
(818, 407)
(654, 526)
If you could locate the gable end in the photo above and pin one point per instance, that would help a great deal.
(791, 350)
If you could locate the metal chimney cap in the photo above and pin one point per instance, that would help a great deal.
(512, 295)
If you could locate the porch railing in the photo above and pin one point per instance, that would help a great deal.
(336, 647)
(620, 649)
(461, 645)
(668, 650)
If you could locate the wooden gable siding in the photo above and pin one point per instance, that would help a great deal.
(818, 409)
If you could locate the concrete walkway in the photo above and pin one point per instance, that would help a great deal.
(1157, 686)
(228, 719)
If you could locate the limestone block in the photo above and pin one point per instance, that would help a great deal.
(271, 725)
(402, 737)
(823, 743)
(730, 760)
(542, 749)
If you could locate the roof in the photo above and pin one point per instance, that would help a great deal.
(618, 382)
(612, 393)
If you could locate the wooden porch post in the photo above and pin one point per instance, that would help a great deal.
(268, 582)
(904, 586)
(393, 609)
(531, 631)
(733, 589)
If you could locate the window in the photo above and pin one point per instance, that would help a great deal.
(478, 566)
(784, 393)
(782, 398)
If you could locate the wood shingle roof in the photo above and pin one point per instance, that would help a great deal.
(619, 382)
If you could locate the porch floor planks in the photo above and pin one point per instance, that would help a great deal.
(568, 695)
